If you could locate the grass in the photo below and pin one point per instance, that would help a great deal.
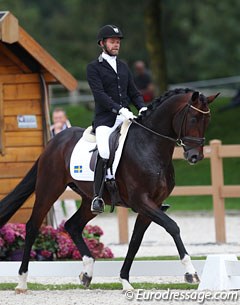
(224, 126)
(199, 203)
(154, 258)
(102, 286)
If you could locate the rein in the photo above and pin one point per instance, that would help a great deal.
(178, 141)
(154, 132)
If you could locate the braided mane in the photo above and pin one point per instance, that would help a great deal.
(161, 99)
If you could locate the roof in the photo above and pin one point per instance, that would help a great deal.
(34, 57)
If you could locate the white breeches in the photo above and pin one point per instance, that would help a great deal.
(102, 137)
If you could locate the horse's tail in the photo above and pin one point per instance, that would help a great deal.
(14, 200)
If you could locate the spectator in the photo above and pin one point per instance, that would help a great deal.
(60, 121)
(143, 81)
(63, 210)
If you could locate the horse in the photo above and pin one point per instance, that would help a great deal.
(145, 178)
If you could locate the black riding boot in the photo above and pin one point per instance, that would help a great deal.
(100, 172)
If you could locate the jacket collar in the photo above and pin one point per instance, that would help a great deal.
(101, 60)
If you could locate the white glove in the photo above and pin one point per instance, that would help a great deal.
(126, 113)
(142, 110)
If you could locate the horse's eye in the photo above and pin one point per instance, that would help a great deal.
(193, 120)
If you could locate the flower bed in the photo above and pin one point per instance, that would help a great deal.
(51, 243)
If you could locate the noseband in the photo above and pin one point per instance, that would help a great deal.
(180, 141)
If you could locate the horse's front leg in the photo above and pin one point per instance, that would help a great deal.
(141, 225)
(151, 210)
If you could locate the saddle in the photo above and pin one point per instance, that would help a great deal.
(113, 145)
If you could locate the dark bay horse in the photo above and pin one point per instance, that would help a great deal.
(145, 177)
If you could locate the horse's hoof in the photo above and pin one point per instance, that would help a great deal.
(165, 207)
(126, 285)
(191, 278)
(85, 279)
(20, 291)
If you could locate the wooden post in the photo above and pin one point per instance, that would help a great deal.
(2, 148)
(122, 214)
(217, 185)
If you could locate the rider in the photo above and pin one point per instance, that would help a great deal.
(113, 89)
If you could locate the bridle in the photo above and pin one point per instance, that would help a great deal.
(180, 141)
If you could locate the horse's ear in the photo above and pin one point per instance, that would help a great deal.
(195, 96)
(211, 98)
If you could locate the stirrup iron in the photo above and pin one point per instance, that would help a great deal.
(98, 205)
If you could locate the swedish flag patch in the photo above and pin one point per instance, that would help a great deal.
(78, 169)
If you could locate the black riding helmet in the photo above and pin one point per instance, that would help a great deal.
(108, 31)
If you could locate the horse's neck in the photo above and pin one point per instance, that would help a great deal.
(161, 149)
(160, 120)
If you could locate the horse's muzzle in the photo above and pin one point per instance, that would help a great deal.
(193, 155)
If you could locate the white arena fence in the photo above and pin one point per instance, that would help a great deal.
(227, 86)
(101, 268)
(217, 272)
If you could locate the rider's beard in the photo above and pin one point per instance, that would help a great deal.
(110, 52)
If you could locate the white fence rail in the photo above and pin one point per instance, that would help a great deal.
(101, 268)
(227, 86)
(217, 272)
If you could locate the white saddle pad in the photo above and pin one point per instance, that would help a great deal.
(82, 153)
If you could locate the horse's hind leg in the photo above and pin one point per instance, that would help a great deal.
(140, 227)
(48, 190)
(74, 227)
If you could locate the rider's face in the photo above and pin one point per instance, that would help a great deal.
(112, 45)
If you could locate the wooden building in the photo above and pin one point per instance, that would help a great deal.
(26, 70)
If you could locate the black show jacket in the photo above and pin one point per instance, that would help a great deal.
(111, 90)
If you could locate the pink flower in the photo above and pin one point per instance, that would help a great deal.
(65, 246)
(51, 241)
(7, 232)
(94, 230)
(61, 227)
(107, 253)
(48, 230)
(10, 236)
(33, 254)
(76, 254)
(46, 253)
(1, 242)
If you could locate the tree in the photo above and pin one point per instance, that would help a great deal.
(155, 43)
(186, 40)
